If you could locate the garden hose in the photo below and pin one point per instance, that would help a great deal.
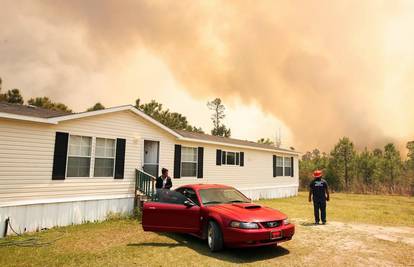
(26, 241)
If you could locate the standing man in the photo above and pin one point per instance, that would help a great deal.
(319, 190)
(164, 181)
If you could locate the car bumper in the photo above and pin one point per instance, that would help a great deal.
(234, 237)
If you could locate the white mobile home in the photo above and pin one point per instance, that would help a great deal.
(58, 168)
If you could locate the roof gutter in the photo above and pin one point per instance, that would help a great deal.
(239, 146)
(25, 118)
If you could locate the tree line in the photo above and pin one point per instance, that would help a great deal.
(156, 110)
(14, 96)
(377, 171)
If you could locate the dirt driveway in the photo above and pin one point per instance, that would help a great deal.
(352, 244)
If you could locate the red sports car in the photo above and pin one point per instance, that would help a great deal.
(218, 213)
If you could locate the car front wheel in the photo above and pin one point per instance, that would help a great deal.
(214, 237)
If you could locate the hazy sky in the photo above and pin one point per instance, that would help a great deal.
(318, 70)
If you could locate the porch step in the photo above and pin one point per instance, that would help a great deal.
(139, 193)
(143, 197)
(140, 200)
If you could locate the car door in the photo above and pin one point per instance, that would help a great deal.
(190, 194)
(168, 213)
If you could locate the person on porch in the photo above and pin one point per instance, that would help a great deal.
(164, 181)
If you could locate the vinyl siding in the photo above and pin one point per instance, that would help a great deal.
(26, 156)
(26, 159)
(257, 171)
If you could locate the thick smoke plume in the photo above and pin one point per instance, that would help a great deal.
(326, 68)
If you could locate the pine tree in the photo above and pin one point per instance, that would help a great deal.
(97, 106)
(219, 129)
(410, 155)
(172, 120)
(342, 161)
(45, 102)
(13, 96)
(392, 163)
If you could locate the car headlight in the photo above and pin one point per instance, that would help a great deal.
(286, 221)
(244, 225)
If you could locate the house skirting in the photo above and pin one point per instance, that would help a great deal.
(269, 192)
(34, 217)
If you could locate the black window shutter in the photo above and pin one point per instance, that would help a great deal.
(274, 166)
(177, 161)
(218, 157)
(293, 165)
(60, 156)
(223, 158)
(120, 158)
(237, 158)
(200, 162)
(242, 159)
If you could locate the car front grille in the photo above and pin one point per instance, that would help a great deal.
(271, 224)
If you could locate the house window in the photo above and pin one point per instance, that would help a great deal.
(231, 158)
(279, 166)
(104, 157)
(189, 161)
(79, 156)
(288, 166)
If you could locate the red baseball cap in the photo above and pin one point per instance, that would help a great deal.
(317, 174)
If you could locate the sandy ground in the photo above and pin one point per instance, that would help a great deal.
(354, 244)
(388, 233)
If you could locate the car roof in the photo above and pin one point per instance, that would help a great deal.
(205, 186)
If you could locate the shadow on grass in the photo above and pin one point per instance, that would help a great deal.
(308, 224)
(233, 255)
(155, 244)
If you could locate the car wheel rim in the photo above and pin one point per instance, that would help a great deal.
(210, 237)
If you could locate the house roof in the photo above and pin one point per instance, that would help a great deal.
(36, 114)
(226, 140)
(32, 111)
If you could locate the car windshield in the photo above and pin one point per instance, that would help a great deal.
(213, 196)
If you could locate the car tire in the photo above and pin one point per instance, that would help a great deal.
(214, 237)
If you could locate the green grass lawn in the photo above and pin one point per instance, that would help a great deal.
(371, 209)
(359, 232)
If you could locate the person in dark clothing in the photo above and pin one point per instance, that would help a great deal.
(164, 181)
(318, 192)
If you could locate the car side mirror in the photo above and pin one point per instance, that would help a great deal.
(188, 203)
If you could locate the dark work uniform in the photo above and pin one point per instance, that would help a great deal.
(318, 187)
(160, 183)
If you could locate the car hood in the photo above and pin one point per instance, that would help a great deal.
(248, 212)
